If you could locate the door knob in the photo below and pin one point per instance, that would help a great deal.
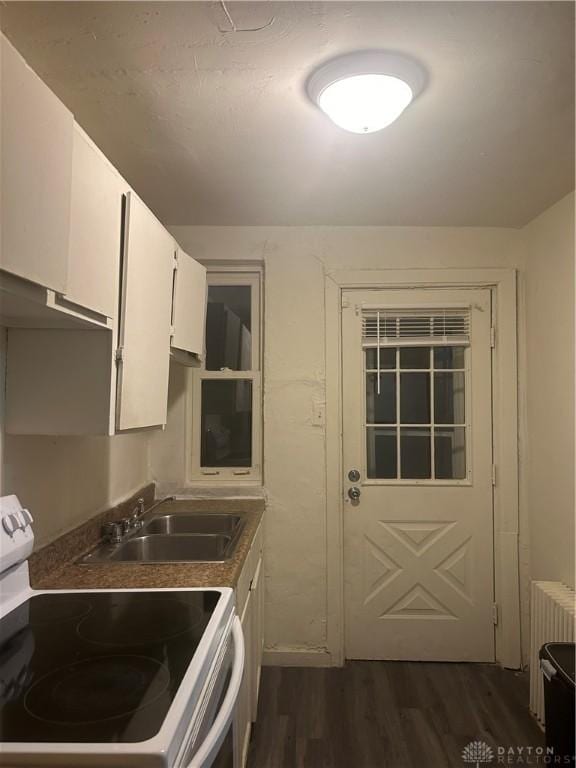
(354, 493)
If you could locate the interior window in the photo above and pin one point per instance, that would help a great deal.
(229, 328)
(226, 423)
(227, 404)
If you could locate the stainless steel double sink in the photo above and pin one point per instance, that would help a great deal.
(174, 538)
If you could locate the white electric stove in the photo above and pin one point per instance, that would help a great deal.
(138, 677)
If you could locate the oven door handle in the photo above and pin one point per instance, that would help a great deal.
(211, 744)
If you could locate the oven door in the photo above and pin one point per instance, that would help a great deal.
(214, 745)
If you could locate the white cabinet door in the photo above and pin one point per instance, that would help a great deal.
(189, 311)
(148, 266)
(35, 175)
(243, 718)
(257, 597)
(95, 229)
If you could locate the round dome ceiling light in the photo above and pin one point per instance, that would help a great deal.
(366, 91)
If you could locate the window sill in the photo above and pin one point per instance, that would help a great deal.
(198, 490)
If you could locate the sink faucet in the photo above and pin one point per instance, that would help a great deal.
(133, 521)
(116, 530)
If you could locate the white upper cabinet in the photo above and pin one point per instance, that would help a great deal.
(92, 303)
(95, 229)
(145, 323)
(189, 305)
(35, 175)
(101, 381)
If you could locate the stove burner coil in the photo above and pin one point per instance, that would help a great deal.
(149, 621)
(97, 689)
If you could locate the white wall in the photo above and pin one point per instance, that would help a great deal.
(66, 480)
(549, 246)
(296, 262)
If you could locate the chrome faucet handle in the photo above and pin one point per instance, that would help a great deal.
(125, 524)
(137, 512)
(112, 531)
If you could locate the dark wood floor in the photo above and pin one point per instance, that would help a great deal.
(388, 715)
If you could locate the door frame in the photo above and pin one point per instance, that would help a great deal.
(502, 283)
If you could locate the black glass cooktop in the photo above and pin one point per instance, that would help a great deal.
(96, 667)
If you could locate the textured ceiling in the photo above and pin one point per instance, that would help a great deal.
(213, 127)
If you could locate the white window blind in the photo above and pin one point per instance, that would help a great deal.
(414, 327)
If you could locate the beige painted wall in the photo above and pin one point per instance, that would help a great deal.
(168, 447)
(549, 247)
(66, 480)
(296, 262)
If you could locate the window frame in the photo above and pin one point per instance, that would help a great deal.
(253, 277)
(397, 425)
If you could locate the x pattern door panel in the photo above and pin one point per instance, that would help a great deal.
(400, 552)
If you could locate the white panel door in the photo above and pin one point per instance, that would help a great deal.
(95, 229)
(417, 427)
(35, 174)
(148, 266)
(189, 312)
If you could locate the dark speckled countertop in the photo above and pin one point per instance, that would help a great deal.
(55, 566)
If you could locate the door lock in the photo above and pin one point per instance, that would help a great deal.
(353, 475)
(354, 493)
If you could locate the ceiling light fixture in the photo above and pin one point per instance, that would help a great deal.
(365, 91)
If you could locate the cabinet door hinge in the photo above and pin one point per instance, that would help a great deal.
(119, 354)
(495, 613)
(172, 331)
(492, 337)
(493, 474)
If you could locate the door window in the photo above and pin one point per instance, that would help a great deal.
(415, 413)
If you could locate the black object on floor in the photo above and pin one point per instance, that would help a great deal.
(557, 664)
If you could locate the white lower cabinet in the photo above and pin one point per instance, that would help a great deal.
(257, 639)
(249, 598)
(243, 712)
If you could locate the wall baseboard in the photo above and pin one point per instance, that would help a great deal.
(297, 657)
